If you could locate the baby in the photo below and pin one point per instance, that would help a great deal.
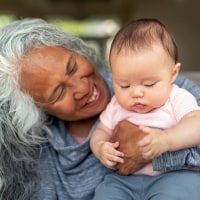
(144, 65)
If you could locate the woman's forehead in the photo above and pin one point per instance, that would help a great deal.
(41, 65)
(43, 59)
(46, 52)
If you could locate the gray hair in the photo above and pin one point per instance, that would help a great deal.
(23, 126)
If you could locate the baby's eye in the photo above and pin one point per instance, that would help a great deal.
(124, 86)
(149, 84)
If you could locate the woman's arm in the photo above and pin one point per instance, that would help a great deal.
(186, 157)
(178, 159)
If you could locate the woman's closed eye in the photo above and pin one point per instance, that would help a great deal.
(57, 94)
(59, 91)
(71, 67)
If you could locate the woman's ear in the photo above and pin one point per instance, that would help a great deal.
(175, 71)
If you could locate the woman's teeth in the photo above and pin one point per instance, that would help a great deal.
(93, 97)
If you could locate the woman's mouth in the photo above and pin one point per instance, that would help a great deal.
(94, 97)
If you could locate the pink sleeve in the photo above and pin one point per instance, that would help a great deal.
(183, 102)
(108, 114)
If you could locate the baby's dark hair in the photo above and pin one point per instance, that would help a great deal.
(142, 33)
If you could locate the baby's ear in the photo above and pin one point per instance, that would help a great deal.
(175, 71)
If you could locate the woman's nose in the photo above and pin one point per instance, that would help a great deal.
(80, 88)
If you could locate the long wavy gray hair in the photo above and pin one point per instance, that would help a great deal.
(23, 126)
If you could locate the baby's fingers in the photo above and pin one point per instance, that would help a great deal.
(111, 161)
(109, 164)
(116, 159)
(116, 156)
(148, 155)
(114, 151)
(145, 141)
(145, 129)
(145, 149)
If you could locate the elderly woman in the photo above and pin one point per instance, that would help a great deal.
(52, 90)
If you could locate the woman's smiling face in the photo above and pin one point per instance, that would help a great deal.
(63, 83)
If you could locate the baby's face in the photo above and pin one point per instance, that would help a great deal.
(142, 80)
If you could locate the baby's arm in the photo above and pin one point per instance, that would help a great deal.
(185, 157)
(103, 149)
(183, 135)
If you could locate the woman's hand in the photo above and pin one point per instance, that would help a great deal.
(128, 136)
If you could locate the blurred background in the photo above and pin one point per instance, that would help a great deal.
(96, 21)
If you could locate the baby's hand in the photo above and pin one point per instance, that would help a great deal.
(108, 154)
(154, 143)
